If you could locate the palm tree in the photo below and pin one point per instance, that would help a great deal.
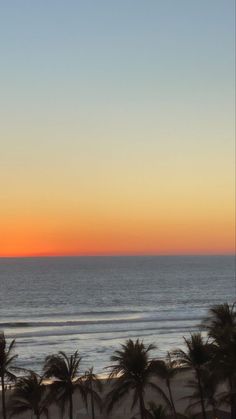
(221, 327)
(30, 394)
(196, 357)
(166, 370)
(210, 382)
(221, 322)
(91, 381)
(64, 369)
(7, 359)
(134, 370)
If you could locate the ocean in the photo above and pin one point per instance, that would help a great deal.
(93, 304)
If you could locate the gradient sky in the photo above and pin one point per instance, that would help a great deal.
(117, 127)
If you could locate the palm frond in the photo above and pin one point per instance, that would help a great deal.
(161, 392)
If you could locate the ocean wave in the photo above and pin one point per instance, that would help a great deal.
(66, 323)
(91, 312)
(56, 333)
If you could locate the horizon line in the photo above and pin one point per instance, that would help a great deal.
(54, 256)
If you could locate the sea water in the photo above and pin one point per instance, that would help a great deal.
(94, 304)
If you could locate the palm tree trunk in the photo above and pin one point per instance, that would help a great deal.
(233, 411)
(171, 399)
(92, 401)
(201, 394)
(232, 400)
(71, 406)
(4, 413)
(142, 406)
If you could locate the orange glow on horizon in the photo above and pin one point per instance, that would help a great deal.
(119, 215)
(105, 237)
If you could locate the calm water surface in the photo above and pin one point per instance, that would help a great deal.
(94, 303)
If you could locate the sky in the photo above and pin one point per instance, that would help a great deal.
(117, 127)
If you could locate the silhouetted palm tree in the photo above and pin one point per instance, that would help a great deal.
(196, 357)
(167, 370)
(210, 382)
(7, 359)
(64, 369)
(221, 327)
(134, 371)
(221, 322)
(92, 383)
(30, 394)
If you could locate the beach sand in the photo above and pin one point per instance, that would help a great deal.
(180, 389)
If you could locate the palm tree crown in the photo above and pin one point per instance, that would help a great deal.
(221, 322)
(134, 370)
(30, 394)
(197, 354)
(93, 387)
(64, 369)
(7, 358)
(197, 357)
(221, 327)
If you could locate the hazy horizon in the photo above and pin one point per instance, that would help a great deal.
(121, 255)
